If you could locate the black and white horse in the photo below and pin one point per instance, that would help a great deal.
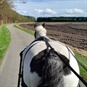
(42, 67)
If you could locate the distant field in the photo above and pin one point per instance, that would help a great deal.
(74, 34)
(5, 38)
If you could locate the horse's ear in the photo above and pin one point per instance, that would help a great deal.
(43, 24)
(36, 24)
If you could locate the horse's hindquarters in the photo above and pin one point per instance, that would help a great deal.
(72, 80)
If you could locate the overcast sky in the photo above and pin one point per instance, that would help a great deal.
(57, 8)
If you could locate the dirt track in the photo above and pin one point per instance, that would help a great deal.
(74, 34)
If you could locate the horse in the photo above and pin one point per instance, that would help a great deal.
(42, 67)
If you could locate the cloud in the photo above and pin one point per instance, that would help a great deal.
(46, 11)
(41, 0)
(49, 11)
(74, 11)
(39, 11)
(24, 12)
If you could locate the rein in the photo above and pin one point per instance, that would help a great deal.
(47, 50)
(48, 45)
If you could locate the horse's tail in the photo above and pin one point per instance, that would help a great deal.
(52, 71)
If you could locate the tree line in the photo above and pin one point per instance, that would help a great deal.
(7, 15)
(62, 19)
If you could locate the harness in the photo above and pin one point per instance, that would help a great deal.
(46, 40)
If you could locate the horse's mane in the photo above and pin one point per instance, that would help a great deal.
(52, 73)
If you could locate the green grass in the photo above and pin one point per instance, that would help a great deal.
(83, 60)
(24, 29)
(80, 57)
(5, 38)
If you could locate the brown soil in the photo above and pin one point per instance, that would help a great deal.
(74, 34)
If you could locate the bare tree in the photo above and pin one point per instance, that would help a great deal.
(5, 7)
(8, 15)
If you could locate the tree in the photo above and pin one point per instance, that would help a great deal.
(7, 15)
(5, 6)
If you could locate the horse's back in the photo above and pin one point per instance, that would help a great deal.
(33, 79)
(70, 80)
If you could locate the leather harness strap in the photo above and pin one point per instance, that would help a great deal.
(46, 40)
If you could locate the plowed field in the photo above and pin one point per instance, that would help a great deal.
(74, 34)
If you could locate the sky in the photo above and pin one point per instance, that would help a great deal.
(51, 8)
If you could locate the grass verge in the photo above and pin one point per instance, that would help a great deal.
(24, 29)
(5, 38)
(80, 57)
